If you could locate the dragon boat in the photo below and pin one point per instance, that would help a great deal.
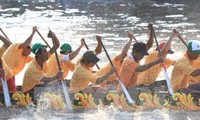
(145, 98)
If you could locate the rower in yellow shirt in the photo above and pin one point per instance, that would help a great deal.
(17, 55)
(83, 75)
(117, 60)
(195, 64)
(149, 76)
(9, 76)
(131, 65)
(35, 74)
(65, 57)
(183, 68)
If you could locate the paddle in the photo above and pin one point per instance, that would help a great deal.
(5, 89)
(66, 94)
(120, 82)
(88, 49)
(181, 39)
(135, 39)
(4, 34)
(170, 89)
(43, 39)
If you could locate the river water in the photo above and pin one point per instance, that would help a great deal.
(111, 20)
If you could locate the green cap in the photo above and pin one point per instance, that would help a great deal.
(36, 47)
(194, 46)
(66, 47)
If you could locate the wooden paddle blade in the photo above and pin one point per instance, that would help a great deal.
(120, 82)
(65, 91)
(169, 85)
(130, 100)
(170, 89)
(66, 95)
(6, 92)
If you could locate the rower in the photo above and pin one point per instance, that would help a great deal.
(131, 65)
(118, 59)
(184, 72)
(17, 55)
(149, 76)
(83, 75)
(35, 74)
(8, 72)
(65, 57)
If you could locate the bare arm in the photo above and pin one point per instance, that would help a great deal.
(6, 42)
(126, 47)
(55, 39)
(150, 41)
(48, 79)
(75, 53)
(58, 76)
(25, 44)
(142, 68)
(99, 46)
(103, 78)
(167, 47)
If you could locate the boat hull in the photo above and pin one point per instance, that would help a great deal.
(143, 97)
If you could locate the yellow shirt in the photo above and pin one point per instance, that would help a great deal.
(127, 72)
(107, 68)
(81, 77)
(33, 74)
(7, 70)
(65, 66)
(147, 77)
(2, 50)
(14, 58)
(196, 63)
(181, 73)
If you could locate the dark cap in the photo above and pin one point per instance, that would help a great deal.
(140, 47)
(89, 57)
